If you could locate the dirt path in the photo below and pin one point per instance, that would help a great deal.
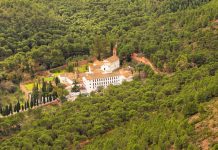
(146, 61)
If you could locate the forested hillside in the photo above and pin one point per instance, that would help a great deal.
(70, 28)
(178, 36)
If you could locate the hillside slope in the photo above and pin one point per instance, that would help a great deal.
(158, 112)
(162, 132)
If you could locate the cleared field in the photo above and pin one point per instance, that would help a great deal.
(83, 68)
(47, 79)
(29, 86)
(57, 73)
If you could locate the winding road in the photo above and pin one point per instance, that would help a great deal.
(146, 61)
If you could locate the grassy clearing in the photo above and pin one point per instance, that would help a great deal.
(47, 79)
(29, 86)
(83, 68)
(57, 73)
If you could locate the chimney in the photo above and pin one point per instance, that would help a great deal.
(115, 50)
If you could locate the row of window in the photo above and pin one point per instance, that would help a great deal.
(95, 85)
(105, 83)
(105, 79)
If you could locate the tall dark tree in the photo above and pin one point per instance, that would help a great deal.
(7, 111)
(75, 87)
(1, 109)
(35, 94)
(57, 81)
(11, 108)
(18, 106)
(15, 108)
(22, 107)
(27, 104)
(31, 103)
(44, 84)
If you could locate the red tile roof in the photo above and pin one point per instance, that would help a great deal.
(112, 59)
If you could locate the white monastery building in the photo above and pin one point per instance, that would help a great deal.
(104, 73)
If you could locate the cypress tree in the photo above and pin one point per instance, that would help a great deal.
(18, 106)
(10, 109)
(15, 108)
(37, 102)
(28, 104)
(55, 95)
(25, 105)
(50, 97)
(1, 109)
(7, 111)
(22, 107)
(50, 87)
(31, 103)
(57, 81)
(34, 102)
(43, 97)
(43, 86)
(3, 112)
(35, 94)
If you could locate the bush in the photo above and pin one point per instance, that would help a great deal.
(190, 108)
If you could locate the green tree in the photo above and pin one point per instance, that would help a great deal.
(75, 87)
(18, 106)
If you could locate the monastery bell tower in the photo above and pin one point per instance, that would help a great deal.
(115, 50)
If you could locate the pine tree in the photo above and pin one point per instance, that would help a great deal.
(22, 107)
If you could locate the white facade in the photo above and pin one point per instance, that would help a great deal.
(106, 68)
(110, 66)
(94, 84)
(65, 80)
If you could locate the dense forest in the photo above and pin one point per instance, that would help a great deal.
(178, 36)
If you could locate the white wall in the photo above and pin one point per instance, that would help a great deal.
(107, 67)
(92, 85)
(115, 65)
(65, 80)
